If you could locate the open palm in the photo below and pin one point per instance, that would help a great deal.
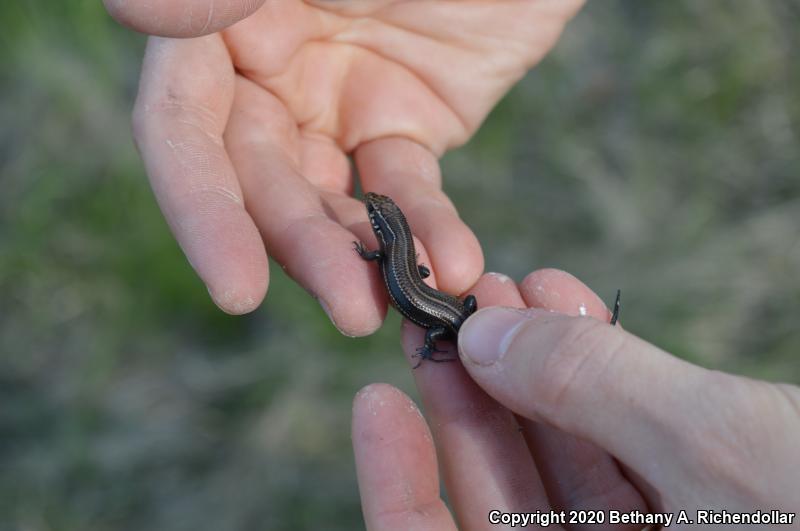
(246, 131)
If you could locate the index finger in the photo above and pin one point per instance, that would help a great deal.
(185, 96)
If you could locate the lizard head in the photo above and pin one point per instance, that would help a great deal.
(384, 215)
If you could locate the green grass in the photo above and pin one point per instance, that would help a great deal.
(655, 150)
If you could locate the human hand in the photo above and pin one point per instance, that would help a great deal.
(246, 131)
(574, 415)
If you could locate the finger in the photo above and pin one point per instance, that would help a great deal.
(410, 174)
(324, 165)
(485, 462)
(184, 99)
(302, 225)
(577, 473)
(396, 463)
(180, 18)
(558, 291)
(599, 383)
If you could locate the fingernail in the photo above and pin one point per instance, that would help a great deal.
(485, 336)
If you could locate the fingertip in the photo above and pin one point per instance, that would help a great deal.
(499, 278)
(562, 292)
(371, 399)
(238, 300)
(496, 289)
(364, 400)
(380, 409)
(543, 283)
(546, 273)
(142, 18)
(453, 248)
(349, 289)
(226, 251)
(119, 12)
(459, 275)
(241, 289)
(355, 316)
(180, 18)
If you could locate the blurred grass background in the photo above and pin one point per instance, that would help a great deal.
(655, 150)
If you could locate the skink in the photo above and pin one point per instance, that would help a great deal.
(439, 313)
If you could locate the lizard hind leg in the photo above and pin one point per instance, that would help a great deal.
(427, 351)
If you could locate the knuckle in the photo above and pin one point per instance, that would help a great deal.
(216, 194)
(723, 463)
(575, 363)
(155, 116)
(171, 105)
(727, 448)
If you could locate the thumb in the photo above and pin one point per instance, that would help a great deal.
(587, 378)
(180, 18)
